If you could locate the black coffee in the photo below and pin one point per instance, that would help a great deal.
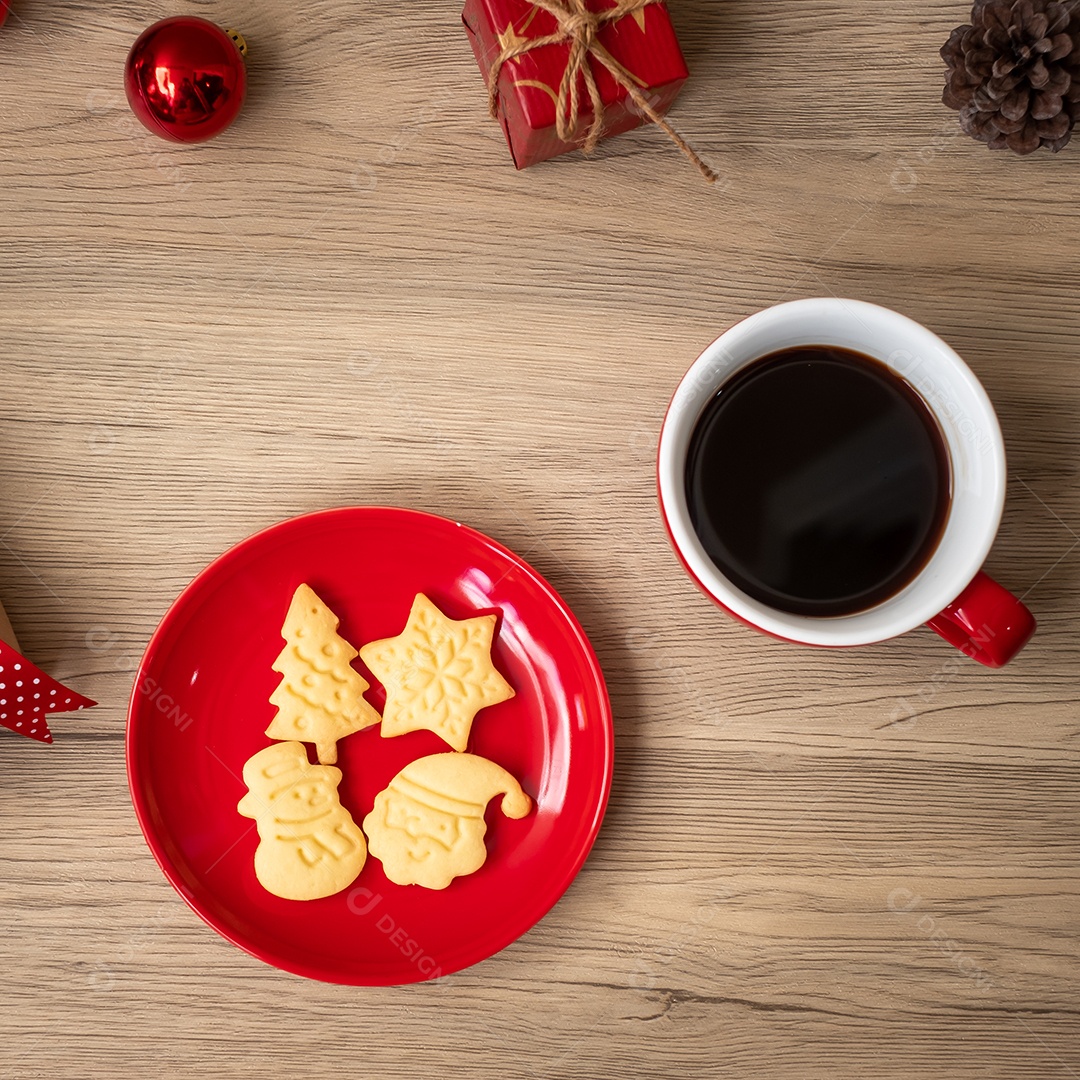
(818, 481)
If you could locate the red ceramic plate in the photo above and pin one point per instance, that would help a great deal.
(200, 706)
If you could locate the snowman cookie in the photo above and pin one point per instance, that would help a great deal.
(309, 845)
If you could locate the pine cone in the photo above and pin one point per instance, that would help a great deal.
(1014, 73)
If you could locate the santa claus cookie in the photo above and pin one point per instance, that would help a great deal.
(437, 673)
(320, 696)
(427, 826)
(309, 845)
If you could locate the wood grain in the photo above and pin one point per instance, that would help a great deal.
(351, 297)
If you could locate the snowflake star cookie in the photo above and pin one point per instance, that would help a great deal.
(320, 696)
(437, 673)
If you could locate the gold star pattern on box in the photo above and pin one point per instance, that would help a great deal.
(437, 673)
(510, 38)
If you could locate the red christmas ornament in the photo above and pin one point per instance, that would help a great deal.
(3, 11)
(28, 696)
(185, 78)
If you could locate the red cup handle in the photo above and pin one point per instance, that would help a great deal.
(985, 622)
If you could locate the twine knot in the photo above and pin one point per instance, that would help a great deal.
(580, 26)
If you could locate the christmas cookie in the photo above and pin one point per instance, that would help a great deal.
(309, 845)
(427, 827)
(437, 673)
(320, 696)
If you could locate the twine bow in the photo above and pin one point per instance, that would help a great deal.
(580, 26)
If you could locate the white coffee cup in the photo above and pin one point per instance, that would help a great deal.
(950, 593)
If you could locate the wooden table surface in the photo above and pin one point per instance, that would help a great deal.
(814, 864)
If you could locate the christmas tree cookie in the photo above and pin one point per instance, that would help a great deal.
(427, 827)
(309, 845)
(320, 696)
(437, 673)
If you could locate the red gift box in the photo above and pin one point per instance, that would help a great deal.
(643, 42)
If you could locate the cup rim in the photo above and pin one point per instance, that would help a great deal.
(978, 483)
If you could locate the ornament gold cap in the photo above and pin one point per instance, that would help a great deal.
(238, 40)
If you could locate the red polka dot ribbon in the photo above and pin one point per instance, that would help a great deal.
(28, 696)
